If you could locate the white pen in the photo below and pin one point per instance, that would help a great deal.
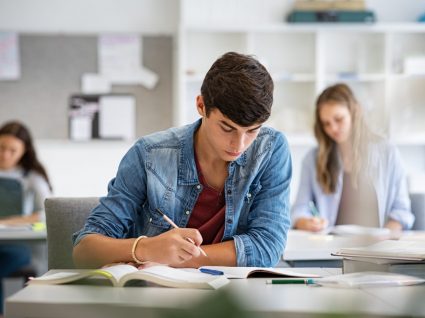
(174, 225)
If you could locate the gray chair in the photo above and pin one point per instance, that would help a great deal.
(418, 209)
(64, 216)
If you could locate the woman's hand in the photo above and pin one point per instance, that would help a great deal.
(313, 224)
(393, 225)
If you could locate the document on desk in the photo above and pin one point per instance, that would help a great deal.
(368, 279)
(20, 227)
(357, 230)
(247, 272)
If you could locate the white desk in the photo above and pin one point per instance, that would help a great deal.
(253, 295)
(24, 236)
(304, 247)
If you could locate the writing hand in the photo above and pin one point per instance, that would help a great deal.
(172, 247)
(313, 224)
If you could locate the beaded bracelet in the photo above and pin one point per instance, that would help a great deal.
(133, 250)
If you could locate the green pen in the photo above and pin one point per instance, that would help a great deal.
(307, 281)
(313, 209)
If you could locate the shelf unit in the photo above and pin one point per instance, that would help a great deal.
(304, 59)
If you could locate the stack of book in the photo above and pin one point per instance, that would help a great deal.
(330, 11)
(403, 257)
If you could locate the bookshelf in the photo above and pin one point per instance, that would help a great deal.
(304, 59)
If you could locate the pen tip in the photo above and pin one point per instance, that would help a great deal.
(159, 211)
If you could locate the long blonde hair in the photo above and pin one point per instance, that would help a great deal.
(328, 165)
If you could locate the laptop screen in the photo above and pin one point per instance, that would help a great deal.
(11, 197)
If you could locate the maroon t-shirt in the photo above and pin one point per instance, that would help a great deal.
(208, 214)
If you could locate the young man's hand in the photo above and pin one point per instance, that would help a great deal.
(313, 224)
(172, 247)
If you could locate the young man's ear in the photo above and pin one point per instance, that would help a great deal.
(200, 106)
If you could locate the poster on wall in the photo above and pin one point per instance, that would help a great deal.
(119, 59)
(10, 68)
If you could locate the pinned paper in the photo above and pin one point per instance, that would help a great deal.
(10, 68)
(95, 84)
(119, 59)
(117, 117)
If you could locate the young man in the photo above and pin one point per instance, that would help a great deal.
(223, 180)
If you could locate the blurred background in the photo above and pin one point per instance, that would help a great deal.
(90, 77)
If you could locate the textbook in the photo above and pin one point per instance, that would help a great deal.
(122, 274)
(388, 249)
(247, 272)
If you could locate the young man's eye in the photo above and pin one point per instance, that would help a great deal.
(226, 129)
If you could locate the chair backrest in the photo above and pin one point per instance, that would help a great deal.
(65, 216)
(418, 209)
(11, 197)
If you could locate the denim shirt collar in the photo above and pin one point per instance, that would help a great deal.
(188, 174)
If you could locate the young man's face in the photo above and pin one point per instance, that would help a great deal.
(225, 138)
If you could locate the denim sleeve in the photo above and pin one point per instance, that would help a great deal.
(400, 210)
(263, 243)
(300, 208)
(117, 212)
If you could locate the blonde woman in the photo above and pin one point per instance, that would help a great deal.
(353, 176)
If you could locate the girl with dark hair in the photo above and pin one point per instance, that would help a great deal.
(18, 160)
(354, 176)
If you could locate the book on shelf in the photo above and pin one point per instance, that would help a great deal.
(359, 264)
(247, 272)
(368, 279)
(387, 249)
(319, 5)
(121, 275)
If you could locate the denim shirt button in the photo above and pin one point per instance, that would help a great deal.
(229, 191)
(198, 187)
(230, 221)
(150, 220)
(187, 212)
(248, 195)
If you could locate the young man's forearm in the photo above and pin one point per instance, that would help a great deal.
(220, 254)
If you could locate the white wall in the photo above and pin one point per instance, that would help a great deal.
(89, 16)
(79, 169)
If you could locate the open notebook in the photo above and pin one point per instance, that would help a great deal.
(122, 274)
(246, 272)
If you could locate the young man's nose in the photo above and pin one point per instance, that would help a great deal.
(238, 142)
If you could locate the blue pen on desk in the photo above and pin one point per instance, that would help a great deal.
(313, 209)
(211, 271)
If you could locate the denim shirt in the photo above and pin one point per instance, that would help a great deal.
(389, 181)
(159, 171)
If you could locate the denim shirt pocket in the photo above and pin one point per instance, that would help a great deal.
(155, 223)
(248, 199)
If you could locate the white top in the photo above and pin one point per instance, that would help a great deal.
(35, 189)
